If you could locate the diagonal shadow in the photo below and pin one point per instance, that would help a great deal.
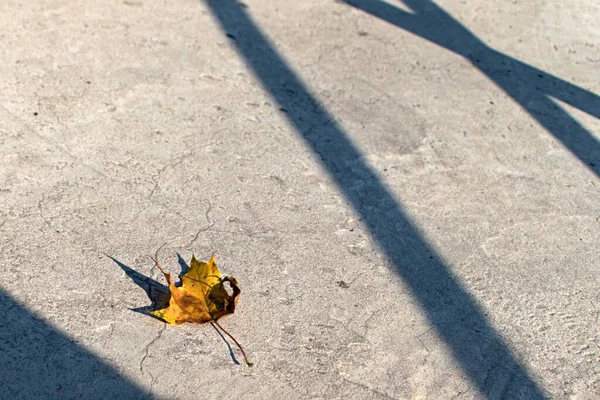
(39, 362)
(477, 348)
(531, 88)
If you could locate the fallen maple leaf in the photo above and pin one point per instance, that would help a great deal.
(201, 298)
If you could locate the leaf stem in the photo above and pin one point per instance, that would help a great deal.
(236, 342)
(157, 264)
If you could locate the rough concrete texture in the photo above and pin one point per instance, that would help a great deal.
(407, 193)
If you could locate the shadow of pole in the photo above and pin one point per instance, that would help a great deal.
(530, 87)
(39, 362)
(478, 349)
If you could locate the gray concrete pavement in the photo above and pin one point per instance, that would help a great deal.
(407, 193)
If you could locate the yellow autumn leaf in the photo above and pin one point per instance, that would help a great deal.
(202, 296)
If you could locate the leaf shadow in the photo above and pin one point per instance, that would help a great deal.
(235, 361)
(158, 293)
(182, 264)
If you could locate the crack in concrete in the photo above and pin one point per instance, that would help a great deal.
(176, 161)
(60, 147)
(41, 211)
(152, 382)
(375, 391)
(204, 229)
(156, 177)
(147, 349)
(109, 336)
(597, 321)
(7, 311)
(266, 233)
(423, 344)
(491, 380)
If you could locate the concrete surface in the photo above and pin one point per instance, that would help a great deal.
(407, 193)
